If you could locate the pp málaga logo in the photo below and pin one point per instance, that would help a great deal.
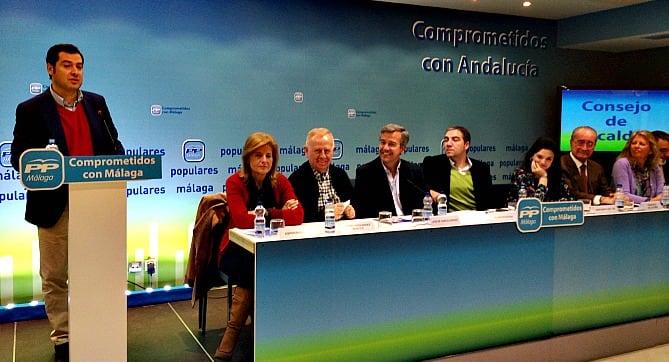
(193, 150)
(529, 215)
(338, 151)
(42, 169)
(6, 153)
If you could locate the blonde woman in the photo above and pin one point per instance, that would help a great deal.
(256, 181)
(638, 170)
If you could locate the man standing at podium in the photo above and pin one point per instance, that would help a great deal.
(80, 124)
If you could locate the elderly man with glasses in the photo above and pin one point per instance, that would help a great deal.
(585, 177)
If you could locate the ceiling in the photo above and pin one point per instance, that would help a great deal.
(543, 9)
(558, 10)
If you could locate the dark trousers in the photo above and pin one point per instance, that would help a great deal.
(237, 263)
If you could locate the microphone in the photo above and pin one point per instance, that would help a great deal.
(416, 187)
(111, 138)
(419, 193)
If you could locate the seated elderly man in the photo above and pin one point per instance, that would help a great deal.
(317, 180)
(584, 177)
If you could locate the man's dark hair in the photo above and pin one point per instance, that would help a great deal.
(466, 136)
(52, 53)
(661, 135)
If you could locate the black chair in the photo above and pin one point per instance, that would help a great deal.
(499, 194)
(218, 278)
(202, 304)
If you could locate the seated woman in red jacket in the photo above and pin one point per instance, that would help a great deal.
(257, 181)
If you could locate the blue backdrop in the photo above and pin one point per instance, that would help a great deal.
(191, 80)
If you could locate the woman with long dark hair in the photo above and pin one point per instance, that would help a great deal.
(539, 174)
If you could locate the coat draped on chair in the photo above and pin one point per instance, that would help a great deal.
(211, 219)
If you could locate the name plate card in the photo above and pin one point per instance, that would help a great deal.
(444, 220)
(650, 205)
(603, 209)
(503, 215)
(367, 225)
(290, 232)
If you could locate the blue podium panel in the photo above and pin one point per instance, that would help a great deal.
(425, 292)
(402, 295)
(613, 271)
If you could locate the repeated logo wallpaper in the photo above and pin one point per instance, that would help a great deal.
(190, 81)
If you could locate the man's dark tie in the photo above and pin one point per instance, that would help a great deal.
(584, 178)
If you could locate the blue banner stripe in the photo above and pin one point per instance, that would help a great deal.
(112, 168)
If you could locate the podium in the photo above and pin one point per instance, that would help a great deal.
(98, 271)
(97, 256)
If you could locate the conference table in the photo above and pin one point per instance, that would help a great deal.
(411, 291)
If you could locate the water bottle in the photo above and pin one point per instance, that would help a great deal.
(427, 206)
(522, 193)
(619, 197)
(259, 220)
(442, 204)
(52, 145)
(665, 197)
(329, 216)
